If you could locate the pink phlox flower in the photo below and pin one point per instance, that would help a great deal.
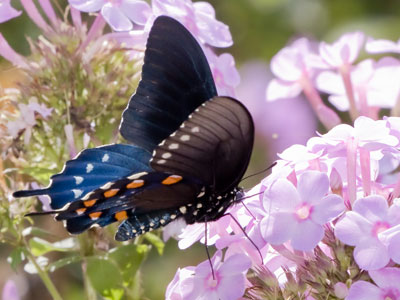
(10, 291)
(226, 76)
(195, 232)
(192, 283)
(367, 133)
(300, 156)
(374, 229)
(387, 286)
(182, 284)
(382, 46)
(344, 51)
(44, 199)
(332, 83)
(119, 14)
(375, 84)
(291, 65)
(27, 119)
(7, 12)
(299, 214)
(198, 18)
(229, 281)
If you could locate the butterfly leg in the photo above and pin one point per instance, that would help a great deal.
(208, 253)
(246, 235)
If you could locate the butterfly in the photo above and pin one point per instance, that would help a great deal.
(188, 149)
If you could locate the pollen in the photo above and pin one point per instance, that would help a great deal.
(172, 179)
(95, 215)
(89, 203)
(135, 184)
(121, 215)
(110, 193)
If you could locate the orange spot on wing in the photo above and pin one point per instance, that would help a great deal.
(110, 193)
(172, 179)
(89, 203)
(121, 215)
(80, 211)
(135, 184)
(95, 215)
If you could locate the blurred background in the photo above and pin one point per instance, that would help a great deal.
(260, 28)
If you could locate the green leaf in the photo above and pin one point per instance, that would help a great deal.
(40, 246)
(36, 231)
(64, 262)
(129, 258)
(16, 257)
(155, 241)
(104, 276)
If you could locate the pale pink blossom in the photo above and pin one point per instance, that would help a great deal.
(198, 18)
(382, 46)
(7, 12)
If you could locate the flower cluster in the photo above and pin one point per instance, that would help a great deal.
(324, 222)
(329, 211)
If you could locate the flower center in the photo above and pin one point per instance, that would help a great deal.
(392, 294)
(211, 282)
(380, 227)
(303, 212)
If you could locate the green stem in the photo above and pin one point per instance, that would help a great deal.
(44, 276)
(86, 247)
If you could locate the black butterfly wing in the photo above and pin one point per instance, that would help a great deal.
(176, 79)
(91, 169)
(139, 196)
(213, 145)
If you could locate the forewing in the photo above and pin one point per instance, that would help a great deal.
(213, 145)
(175, 80)
(91, 169)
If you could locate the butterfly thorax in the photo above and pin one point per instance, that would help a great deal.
(211, 206)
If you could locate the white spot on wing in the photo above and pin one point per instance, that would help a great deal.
(185, 137)
(173, 146)
(166, 155)
(107, 186)
(78, 179)
(137, 175)
(77, 193)
(161, 161)
(105, 158)
(183, 209)
(89, 168)
(195, 129)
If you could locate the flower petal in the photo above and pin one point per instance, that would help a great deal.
(306, 235)
(137, 11)
(374, 208)
(7, 12)
(364, 290)
(238, 263)
(312, 186)
(386, 277)
(231, 287)
(87, 5)
(115, 18)
(277, 228)
(328, 208)
(371, 254)
(352, 228)
(279, 89)
(282, 196)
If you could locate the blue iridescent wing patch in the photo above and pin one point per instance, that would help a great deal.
(91, 169)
